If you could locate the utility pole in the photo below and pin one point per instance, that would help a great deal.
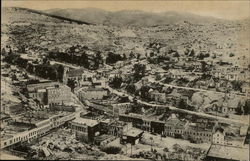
(131, 148)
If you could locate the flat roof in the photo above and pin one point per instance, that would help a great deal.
(103, 137)
(88, 122)
(134, 132)
(229, 152)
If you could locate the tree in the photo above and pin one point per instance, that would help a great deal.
(246, 107)
(138, 56)
(192, 53)
(116, 82)
(111, 150)
(98, 59)
(131, 88)
(203, 66)
(231, 55)
(84, 60)
(139, 71)
(60, 70)
(239, 110)
(152, 140)
(52, 73)
(237, 85)
(113, 58)
(131, 55)
(182, 104)
(176, 54)
(124, 57)
(71, 84)
(144, 92)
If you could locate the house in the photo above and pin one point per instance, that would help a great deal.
(218, 135)
(99, 83)
(230, 105)
(157, 96)
(246, 88)
(197, 134)
(85, 129)
(92, 93)
(133, 136)
(121, 107)
(78, 75)
(211, 83)
(174, 127)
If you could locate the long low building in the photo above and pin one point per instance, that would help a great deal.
(227, 153)
(42, 128)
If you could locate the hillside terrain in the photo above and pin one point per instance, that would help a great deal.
(130, 17)
(42, 33)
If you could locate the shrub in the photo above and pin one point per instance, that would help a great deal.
(112, 150)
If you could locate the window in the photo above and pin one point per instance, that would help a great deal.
(5, 143)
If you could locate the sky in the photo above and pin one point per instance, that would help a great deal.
(227, 9)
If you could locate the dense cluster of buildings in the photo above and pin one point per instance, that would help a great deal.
(102, 132)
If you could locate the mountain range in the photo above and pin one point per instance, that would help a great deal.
(130, 17)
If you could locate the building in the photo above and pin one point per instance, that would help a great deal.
(136, 119)
(218, 135)
(103, 140)
(58, 95)
(13, 109)
(188, 131)
(174, 128)
(143, 122)
(227, 153)
(63, 108)
(246, 88)
(40, 127)
(118, 128)
(133, 136)
(99, 83)
(49, 93)
(157, 96)
(85, 129)
(92, 93)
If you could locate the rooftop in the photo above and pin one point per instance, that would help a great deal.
(35, 117)
(228, 152)
(103, 137)
(134, 132)
(88, 122)
(75, 72)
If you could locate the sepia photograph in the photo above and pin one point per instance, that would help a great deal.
(163, 80)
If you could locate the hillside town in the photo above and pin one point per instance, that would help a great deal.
(130, 93)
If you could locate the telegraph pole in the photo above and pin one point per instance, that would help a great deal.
(131, 148)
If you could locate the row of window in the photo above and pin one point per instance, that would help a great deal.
(78, 128)
(191, 133)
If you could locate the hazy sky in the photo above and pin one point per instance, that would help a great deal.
(223, 9)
